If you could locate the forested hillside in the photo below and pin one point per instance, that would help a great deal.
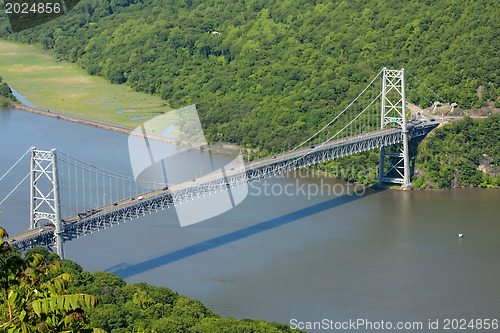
(461, 153)
(122, 307)
(279, 69)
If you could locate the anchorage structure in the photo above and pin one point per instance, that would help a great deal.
(394, 167)
(44, 194)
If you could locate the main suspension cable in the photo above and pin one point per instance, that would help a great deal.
(427, 88)
(340, 112)
(15, 188)
(19, 160)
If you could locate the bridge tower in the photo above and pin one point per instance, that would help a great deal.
(394, 167)
(44, 194)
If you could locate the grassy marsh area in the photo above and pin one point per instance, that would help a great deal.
(66, 88)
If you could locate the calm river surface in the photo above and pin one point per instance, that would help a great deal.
(386, 255)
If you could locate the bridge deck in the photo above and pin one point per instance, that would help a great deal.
(111, 214)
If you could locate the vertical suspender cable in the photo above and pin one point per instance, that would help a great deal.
(90, 190)
(84, 194)
(68, 170)
(95, 194)
(76, 191)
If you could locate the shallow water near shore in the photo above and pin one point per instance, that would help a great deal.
(384, 255)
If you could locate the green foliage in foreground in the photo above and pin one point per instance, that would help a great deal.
(279, 69)
(33, 295)
(141, 308)
(461, 153)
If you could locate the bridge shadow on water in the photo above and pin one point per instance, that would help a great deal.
(125, 270)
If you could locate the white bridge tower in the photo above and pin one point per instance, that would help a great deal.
(44, 194)
(394, 167)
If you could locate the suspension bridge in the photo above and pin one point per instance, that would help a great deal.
(93, 198)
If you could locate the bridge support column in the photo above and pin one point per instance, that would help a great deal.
(394, 167)
(44, 194)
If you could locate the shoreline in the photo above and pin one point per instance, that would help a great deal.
(90, 122)
(115, 128)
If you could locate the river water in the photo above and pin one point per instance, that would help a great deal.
(384, 255)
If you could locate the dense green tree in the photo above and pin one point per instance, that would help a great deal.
(30, 301)
(5, 90)
(6, 95)
(279, 70)
(138, 308)
(461, 153)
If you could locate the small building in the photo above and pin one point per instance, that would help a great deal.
(215, 33)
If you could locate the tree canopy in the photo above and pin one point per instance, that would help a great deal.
(281, 69)
(33, 298)
(6, 95)
(461, 153)
(41, 293)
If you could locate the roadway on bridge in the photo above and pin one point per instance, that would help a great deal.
(419, 120)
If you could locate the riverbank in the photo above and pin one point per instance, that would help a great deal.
(225, 149)
(42, 81)
(90, 122)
